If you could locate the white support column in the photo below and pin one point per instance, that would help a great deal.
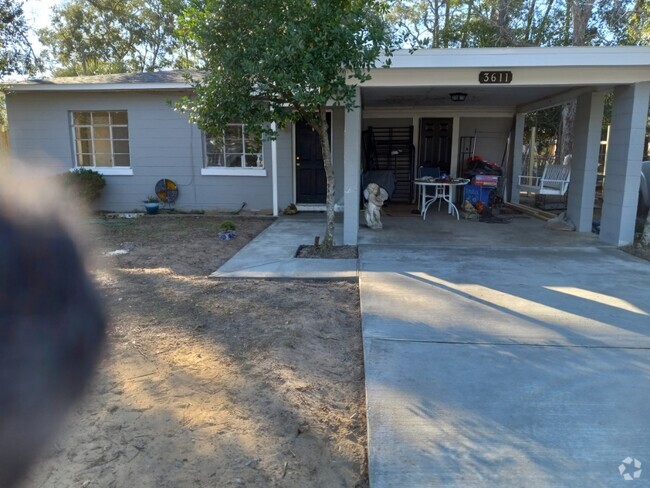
(455, 143)
(274, 170)
(352, 173)
(517, 149)
(629, 118)
(584, 165)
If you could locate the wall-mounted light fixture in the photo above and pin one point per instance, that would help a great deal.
(458, 96)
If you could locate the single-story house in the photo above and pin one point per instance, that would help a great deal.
(125, 127)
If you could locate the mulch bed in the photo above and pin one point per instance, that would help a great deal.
(334, 252)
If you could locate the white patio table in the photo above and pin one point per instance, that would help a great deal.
(442, 190)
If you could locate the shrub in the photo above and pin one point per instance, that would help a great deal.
(227, 226)
(85, 184)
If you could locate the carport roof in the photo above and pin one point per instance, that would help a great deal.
(541, 77)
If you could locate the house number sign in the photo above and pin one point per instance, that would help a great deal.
(495, 77)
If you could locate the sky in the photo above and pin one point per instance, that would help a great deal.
(37, 12)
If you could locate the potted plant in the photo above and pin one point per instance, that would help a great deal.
(227, 231)
(152, 204)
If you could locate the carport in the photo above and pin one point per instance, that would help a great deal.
(503, 84)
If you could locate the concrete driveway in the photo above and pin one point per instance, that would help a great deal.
(495, 355)
(505, 366)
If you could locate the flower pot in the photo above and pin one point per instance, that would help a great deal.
(152, 208)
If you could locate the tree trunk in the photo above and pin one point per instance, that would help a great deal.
(446, 29)
(328, 242)
(645, 237)
(436, 25)
(581, 13)
(568, 121)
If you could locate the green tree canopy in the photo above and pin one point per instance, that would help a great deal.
(283, 60)
(16, 55)
(113, 36)
(494, 23)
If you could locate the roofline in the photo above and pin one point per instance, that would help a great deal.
(523, 57)
(91, 87)
(484, 58)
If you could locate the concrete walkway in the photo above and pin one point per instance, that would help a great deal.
(495, 355)
(271, 254)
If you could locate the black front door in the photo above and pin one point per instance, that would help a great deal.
(435, 143)
(311, 183)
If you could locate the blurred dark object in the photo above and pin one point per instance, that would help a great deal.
(51, 333)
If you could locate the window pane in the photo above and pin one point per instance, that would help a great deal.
(103, 159)
(254, 161)
(253, 144)
(214, 145)
(121, 146)
(102, 133)
(215, 160)
(233, 160)
(84, 146)
(100, 118)
(86, 160)
(234, 142)
(122, 160)
(119, 118)
(83, 132)
(120, 132)
(81, 118)
(103, 146)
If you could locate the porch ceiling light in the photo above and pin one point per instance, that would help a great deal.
(458, 96)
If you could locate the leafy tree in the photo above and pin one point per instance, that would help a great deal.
(472, 23)
(16, 54)
(281, 61)
(489, 23)
(114, 36)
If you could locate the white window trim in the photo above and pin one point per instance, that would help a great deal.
(104, 170)
(229, 171)
(107, 171)
(233, 170)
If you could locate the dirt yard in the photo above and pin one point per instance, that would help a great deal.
(210, 383)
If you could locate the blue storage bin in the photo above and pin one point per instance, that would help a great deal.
(474, 193)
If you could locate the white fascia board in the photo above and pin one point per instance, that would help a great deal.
(536, 76)
(439, 111)
(73, 87)
(502, 58)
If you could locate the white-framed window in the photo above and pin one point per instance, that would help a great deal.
(101, 139)
(235, 148)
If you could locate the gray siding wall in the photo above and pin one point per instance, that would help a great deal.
(388, 122)
(162, 145)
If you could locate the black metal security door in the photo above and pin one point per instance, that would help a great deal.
(311, 183)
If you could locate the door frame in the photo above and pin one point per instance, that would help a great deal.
(307, 207)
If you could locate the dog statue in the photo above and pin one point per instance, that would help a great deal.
(376, 197)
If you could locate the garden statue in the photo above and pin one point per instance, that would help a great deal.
(376, 197)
